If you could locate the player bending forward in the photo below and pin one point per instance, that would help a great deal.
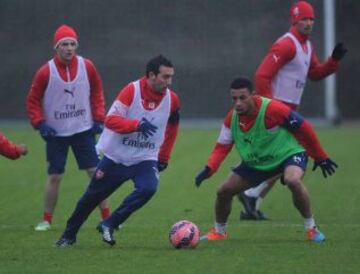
(267, 136)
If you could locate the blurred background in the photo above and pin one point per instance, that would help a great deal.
(209, 43)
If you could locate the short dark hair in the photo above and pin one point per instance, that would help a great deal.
(154, 64)
(242, 82)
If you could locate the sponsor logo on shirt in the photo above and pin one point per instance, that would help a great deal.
(254, 159)
(299, 84)
(140, 142)
(70, 112)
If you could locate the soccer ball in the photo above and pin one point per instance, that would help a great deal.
(184, 234)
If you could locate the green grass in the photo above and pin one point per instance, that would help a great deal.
(275, 246)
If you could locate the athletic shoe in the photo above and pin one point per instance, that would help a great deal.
(250, 212)
(43, 226)
(261, 216)
(213, 235)
(63, 242)
(248, 202)
(315, 235)
(107, 233)
(255, 216)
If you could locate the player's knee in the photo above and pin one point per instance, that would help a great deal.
(56, 168)
(55, 179)
(224, 192)
(293, 182)
(147, 192)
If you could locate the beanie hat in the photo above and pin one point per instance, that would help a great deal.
(300, 10)
(64, 32)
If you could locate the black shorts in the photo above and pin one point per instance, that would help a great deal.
(82, 145)
(256, 176)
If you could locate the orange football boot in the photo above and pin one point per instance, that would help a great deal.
(213, 235)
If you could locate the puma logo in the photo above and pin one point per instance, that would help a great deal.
(276, 58)
(297, 159)
(69, 91)
(246, 140)
(293, 121)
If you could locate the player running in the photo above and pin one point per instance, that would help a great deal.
(140, 131)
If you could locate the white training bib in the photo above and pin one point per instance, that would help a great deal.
(67, 104)
(130, 149)
(289, 83)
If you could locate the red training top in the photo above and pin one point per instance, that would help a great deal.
(282, 52)
(67, 73)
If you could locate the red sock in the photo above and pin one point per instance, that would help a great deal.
(105, 212)
(47, 217)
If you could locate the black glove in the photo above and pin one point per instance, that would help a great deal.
(162, 166)
(146, 128)
(327, 166)
(339, 51)
(97, 127)
(204, 174)
(46, 131)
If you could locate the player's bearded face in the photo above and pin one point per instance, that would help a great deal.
(66, 50)
(242, 101)
(162, 80)
(305, 26)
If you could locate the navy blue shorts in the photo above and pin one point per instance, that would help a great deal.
(82, 145)
(256, 177)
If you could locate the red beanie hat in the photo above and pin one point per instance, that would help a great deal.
(300, 10)
(64, 32)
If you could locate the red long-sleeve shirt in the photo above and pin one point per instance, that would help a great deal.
(9, 149)
(40, 82)
(282, 52)
(275, 115)
(150, 100)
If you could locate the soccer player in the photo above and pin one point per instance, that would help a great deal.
(267, 135)
(66, 105)
(11, 150)
(282, 76)
(140, 131)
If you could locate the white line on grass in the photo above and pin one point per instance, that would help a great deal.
(254, 224)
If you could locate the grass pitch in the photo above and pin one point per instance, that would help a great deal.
(275, 246)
